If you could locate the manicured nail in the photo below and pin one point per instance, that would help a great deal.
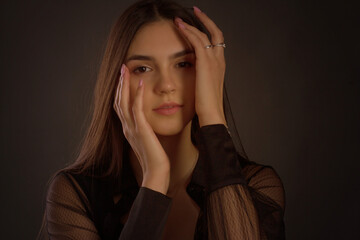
(196, 9)
(140, 83)
(182, 26)
(179, 22)
(122, 69)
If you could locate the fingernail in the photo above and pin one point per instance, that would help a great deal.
(182, 26)
(122, 69)
(179, 22)
(196, 9)
(140, 83)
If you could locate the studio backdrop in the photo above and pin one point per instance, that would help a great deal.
(292, 79)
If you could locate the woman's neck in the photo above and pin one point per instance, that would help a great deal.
(182, 154)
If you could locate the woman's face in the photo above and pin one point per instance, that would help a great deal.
(165, 62)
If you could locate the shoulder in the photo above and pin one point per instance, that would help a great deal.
(60, 183)
(65, 190)
(68, 213)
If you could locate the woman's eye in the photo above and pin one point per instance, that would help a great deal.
(141, 69)
(184, 64)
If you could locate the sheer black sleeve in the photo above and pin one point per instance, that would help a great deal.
(241, 199)
(69, 214)
(148, 216)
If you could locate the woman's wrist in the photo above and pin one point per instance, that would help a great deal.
(157, 181)
(212, 119)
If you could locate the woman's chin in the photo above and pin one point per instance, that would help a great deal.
(170, 128)
(171, 125)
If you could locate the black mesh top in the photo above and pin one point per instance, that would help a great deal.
(237, 199)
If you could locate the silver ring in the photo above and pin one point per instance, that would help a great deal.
(208, 46)
(220, 45)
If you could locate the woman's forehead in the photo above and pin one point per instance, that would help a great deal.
(157, 38)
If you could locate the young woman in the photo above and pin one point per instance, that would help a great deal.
(158, 161)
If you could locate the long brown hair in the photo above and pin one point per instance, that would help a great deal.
(103, 145)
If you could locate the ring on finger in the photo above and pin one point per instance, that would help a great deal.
(219, 45)
(215, 45)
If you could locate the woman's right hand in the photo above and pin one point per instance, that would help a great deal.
(152, 158)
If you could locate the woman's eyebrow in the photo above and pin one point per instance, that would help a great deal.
(139, 57)
(182, 53)
(149, 58)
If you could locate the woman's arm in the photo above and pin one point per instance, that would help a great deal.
(234, 207)
(148, 215)
(253, 211)
(234, 212)
(69, 213)
(239, 203)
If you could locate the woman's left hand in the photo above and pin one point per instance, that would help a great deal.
(210, 69)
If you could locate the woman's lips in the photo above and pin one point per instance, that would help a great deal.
(168, 108)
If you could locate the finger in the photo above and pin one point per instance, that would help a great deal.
(116, 105)
(137, 108)
(215, 32)
(201, 35)
(116, 98)
(125, 96)
(189, 30)
(197, 39)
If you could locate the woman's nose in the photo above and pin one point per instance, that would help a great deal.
(165, 83)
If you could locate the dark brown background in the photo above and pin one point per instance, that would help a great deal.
(293, 81)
